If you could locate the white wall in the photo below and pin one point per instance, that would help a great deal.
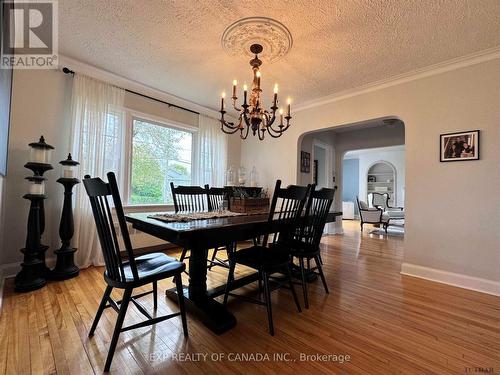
(452, 210)
(40, 105)
(39, 100)
(395, 157)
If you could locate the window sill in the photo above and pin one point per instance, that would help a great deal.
(148, 208)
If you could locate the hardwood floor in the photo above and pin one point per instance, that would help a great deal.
(385, 322)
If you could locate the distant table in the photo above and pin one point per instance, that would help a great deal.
(199, 236)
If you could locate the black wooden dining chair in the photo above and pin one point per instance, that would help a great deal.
(189, 199)
(286, 210)
(130, 274)
(305, 245)
(216, 197)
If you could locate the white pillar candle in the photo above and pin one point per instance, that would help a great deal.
(38, 155)
(36, 189)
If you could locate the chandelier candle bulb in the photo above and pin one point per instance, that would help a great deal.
(235, 82)
(289, 101)
(281, 117)
(222, 101)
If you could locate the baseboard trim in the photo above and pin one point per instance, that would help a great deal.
(8, 270)
(450, 278)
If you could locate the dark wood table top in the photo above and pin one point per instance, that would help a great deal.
(195, 225)
(225, 228)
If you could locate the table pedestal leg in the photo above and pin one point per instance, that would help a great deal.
(212, 313)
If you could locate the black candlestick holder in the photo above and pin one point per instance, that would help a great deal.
(31, 275)
(65, 264)
(38, 164)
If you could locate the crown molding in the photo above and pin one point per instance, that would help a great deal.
(442, 67)
(126, 83)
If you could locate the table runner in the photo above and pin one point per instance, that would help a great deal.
(190, 216)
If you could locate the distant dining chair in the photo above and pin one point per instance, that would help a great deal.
(306, 245)
(286, 209)
(130, 274)
(216, 197)
(189, 198)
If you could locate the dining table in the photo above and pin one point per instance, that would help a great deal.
(199, 236)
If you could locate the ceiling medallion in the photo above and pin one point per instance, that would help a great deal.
(272, 35)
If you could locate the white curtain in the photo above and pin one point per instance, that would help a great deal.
(97, 123)
(212, 153)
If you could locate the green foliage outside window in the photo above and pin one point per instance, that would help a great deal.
(156, 161)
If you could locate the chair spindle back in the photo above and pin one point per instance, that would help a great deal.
(189, 198)
(287, 206)
(99, 192)
(318, 207)
(216, 197)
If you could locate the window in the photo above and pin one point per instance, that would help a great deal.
(160, 155)
(113, 142)
(110, 144)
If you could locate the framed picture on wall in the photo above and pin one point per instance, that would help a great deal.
(305, 162)
(459, 146)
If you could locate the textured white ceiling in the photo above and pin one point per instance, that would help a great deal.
(175, 46)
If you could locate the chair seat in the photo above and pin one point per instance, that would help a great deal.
(297, 248)
(262, 258)
(393, 215)
(154, 266)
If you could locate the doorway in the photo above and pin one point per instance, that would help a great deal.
(321, 156)
(379, 133)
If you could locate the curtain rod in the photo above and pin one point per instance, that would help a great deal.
(69, 71)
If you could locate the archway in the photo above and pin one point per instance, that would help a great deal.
(370, 134)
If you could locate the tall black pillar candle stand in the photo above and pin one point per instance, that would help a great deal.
(30, 277)
(65, 264)
(40, 153)
(39, 169)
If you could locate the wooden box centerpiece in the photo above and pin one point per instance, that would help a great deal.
(249, 205)
(249, 200)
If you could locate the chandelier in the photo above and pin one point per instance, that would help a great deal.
(252, 114)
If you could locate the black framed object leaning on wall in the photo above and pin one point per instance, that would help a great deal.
(460, 146)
